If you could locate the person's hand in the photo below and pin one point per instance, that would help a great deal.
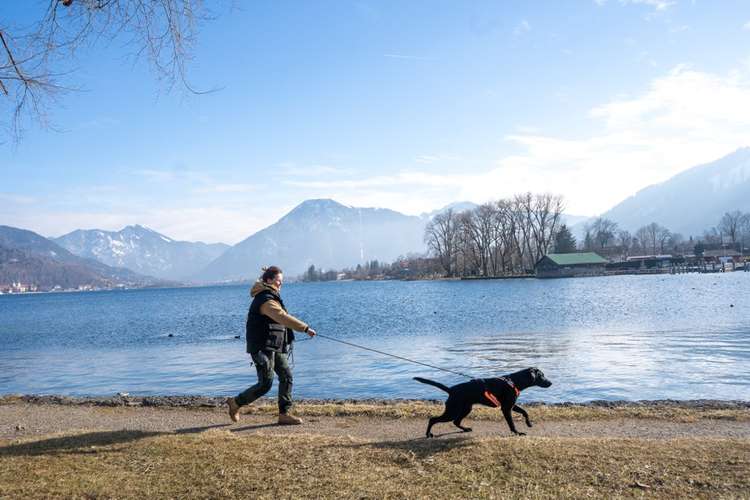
(311, 332)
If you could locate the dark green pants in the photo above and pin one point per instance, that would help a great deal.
(266, 363)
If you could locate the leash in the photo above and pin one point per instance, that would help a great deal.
(392, 355)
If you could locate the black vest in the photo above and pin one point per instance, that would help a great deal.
(262, 332)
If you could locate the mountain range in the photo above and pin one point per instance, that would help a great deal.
(30, 258)
(329, 235)
(143, 250)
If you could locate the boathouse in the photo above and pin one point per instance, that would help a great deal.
(565, 265)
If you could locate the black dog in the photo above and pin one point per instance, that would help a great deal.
(502, 392)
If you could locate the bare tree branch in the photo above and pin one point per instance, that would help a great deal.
(34, 59)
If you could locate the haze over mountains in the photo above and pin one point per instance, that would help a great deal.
(331, 235)
(691, 201)
(323, 233)
(142, 250)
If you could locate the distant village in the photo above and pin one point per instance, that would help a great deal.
(21, 287)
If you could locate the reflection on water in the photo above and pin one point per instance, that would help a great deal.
(630, 337)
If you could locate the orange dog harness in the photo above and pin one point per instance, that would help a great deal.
(493, 400)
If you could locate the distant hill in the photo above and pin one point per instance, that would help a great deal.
(30, 258)
(691, 201)
(320, 232)
(17, 266)
(142, 250)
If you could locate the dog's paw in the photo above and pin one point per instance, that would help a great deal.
(467, 429)
(529, 424)
(429, 435)
(517, 433)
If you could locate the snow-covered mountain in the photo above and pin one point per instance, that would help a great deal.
(324, 233)
(30, 258)
(691, 201)
(142, 250)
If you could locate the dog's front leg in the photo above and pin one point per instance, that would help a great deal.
(509, 419)
(520, 410)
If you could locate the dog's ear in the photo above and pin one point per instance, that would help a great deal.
(537, 374)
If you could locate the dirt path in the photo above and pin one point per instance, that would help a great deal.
(23, 420)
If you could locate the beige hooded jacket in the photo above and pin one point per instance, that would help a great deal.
(273, 309)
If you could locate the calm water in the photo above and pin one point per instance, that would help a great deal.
(625, 337)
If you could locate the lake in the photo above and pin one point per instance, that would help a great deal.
(614, 338)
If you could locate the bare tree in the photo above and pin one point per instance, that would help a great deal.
(653, 237)
(33, 59)
(731, 225)
(712, 236)
(441, 236)
(546, 213)
(507, 243)
(626, 241)
(602, 231)
(477, 229)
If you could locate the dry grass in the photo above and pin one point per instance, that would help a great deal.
(548, 413)
(218, 463)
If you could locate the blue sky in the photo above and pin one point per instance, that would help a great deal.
(404, 105)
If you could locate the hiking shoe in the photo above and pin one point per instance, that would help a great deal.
(234, 409)
(286, 419)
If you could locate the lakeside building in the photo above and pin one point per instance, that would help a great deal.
(566, 265)
(18, 287)
(653, 261)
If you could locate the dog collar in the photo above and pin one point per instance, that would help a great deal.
(512, 385)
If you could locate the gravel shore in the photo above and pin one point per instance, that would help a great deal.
(28, 416)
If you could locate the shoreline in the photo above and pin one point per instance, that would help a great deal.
(193, 401)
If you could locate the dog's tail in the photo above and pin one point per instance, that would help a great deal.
(436, 384)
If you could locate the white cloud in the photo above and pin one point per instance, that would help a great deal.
(656, 4)
(293, 170)
(746, 26)
(435, 158)
(684, 118)
(399, 180)
(681, 119)
(521, 28)
(207, 224)
(227, 188)
(17, 199)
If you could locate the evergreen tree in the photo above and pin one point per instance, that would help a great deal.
(565, 242)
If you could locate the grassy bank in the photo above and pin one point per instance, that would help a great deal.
(674, 412)
(218, 463)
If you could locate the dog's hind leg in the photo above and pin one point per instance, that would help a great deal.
(520, 410)
(448, 415)
(462, 415)
(445, 417)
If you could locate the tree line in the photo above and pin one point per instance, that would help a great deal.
(606, 238)
(509, 236)
(499, 238)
